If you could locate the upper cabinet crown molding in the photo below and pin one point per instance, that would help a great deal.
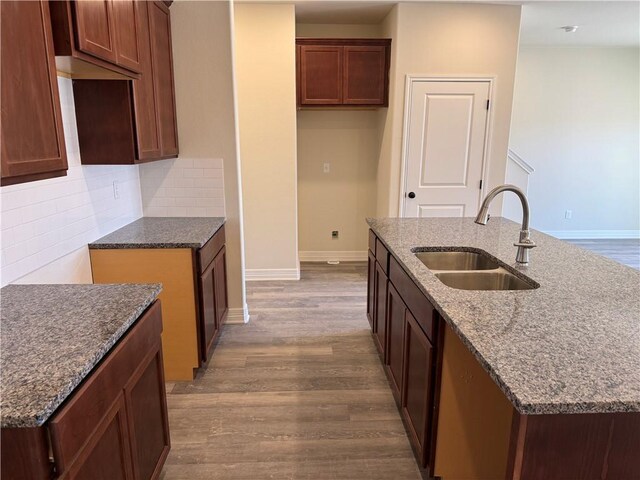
(96, 38)
(33, 146)
(343, 72)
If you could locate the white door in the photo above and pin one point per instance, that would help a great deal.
(444, 150)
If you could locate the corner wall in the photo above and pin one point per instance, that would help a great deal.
(447, 39)
(205, 179)
(266, 89)
(576, 121)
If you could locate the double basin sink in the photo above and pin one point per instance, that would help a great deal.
(467, 270)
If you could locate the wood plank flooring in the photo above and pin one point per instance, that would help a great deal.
(625, 251)
(297, 393)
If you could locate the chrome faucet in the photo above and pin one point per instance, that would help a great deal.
(525, 243)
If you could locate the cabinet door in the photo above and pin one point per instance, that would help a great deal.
(147, 412)
(33, 144)
(417, 386)
(395, 346)
(162, 61)
(208, 322)
(380, 318)
(95, 28)
(220, 281)
(364, 76)
(144, 95)
(107, 456)
(127, 33)
(320, 75)
(371, 287)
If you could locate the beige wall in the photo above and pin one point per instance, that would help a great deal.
(265, 76)
(576, 121)
(349, 140)
(454, 40)
(344, 197)
(203, 69)
(335, 30)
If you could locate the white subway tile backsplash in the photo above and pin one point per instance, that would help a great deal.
(183, 187)
(45, 220)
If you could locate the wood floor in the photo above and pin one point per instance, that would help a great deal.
(625, 251)
(297, 393)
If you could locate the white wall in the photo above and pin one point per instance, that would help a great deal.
(44, 221)
(266, 89)
(576, 121)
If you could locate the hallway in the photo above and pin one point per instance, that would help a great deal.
(299, 392)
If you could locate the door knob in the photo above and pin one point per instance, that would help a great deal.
(411, 195)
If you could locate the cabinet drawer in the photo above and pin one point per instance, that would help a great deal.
(210, 249)
(415, 300)
(372, 242)
(72, 427)
(382, 256)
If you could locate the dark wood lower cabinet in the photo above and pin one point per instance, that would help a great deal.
(396, 318)
(114, 426)
(417, 392)
(371, 286)
(459, 422)
(212, 292)
(145, 400)
(380, 315)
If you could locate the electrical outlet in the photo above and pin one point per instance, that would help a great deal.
(326, 168)
(116, 191)
(334, 234)
(568, 214)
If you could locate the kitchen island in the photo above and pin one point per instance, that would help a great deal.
(542, 382)
(187, 255)
(82, 386)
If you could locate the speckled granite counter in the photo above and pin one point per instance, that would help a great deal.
(570, 346)
(162, 232)
(53, 335)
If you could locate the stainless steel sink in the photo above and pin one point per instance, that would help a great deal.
(499, 279)
(456, 261)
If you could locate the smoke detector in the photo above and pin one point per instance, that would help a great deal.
(570, 28)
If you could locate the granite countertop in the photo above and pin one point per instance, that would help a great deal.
(570, 346)
(53, 335)
(162, 232)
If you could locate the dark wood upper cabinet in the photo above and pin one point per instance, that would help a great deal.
(129, 33)
(320, 74)
(343, 72)
(96, 29)
(97, 38)
(365, 73)
(162, 61)
(33, 146)
(127, 122)
(147, 119)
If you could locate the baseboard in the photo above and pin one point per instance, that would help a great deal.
(238, 316)
(260, 274)
(593, 234)
(340, 256)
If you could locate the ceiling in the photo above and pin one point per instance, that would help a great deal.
(601, 23)
(607, 24)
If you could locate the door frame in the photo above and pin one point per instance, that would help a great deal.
(410, 79)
